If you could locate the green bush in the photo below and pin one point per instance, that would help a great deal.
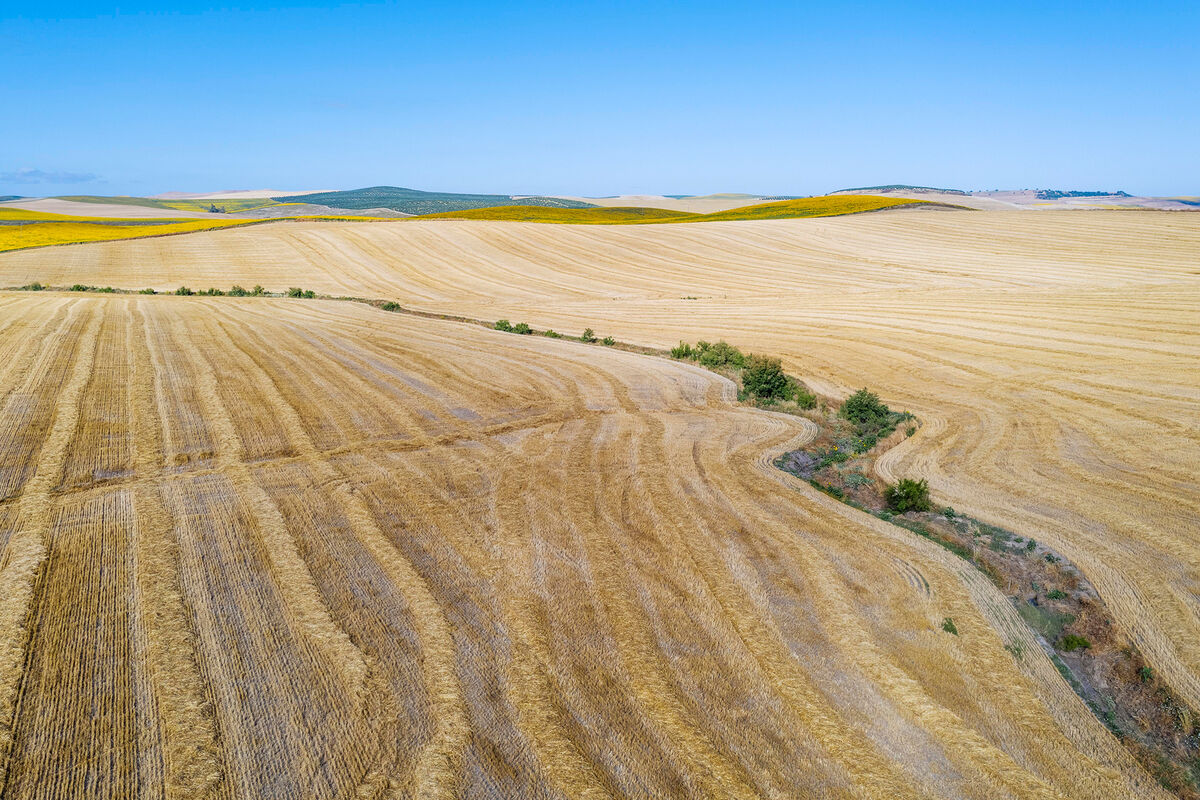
(295, 291)
(213, 293)
(1146, 674)
(803, 397)
(79, 287)
(258, 291)
(390, 306)
(238, 291)
(763, 377)
(864, 409)
(503, 325)
(1056, 594)
(107, 290)
(949, 627)
(522, 328)
(1071, 642)
(721, 354)
(184, 291)
(309, 294)
(33, 287)
(684, 350)
(552, 334)
(908, 495)
(147, 291)
(608, 341)
(589, 335)
(949, 513)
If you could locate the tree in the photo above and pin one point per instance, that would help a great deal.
(763, 377)
(864, 409)
(589, 335)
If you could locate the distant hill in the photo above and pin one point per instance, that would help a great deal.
(786, 209)
(414, 201)
(900, 187)
(1055, 194)
(4, 197)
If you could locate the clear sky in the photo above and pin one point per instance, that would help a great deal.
(600, 97)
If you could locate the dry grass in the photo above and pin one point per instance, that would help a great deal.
(297, 549)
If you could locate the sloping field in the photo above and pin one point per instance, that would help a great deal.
(173, 203)
(75, 208)
(62, 230)
(1051, 356)
(303, 549)
(781, 209)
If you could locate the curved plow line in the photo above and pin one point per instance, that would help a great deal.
(435, 774)
(191, 750)
(301, 598)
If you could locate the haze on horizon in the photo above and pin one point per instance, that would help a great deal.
(781, 98)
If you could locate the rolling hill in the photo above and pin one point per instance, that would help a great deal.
(783, 209)
(413, 201)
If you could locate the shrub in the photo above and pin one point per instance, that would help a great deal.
(608, 341)
(721, 354)
(79, 287)
(1056, 594)
(1146, 674)
(1052, 559)
(684, 350)
(295, 291)
(237, 291)
(1071, 642)
(147, 291)
(213, 293)
(763, 377)
(390, 306)
(864, 409)
(33, 287)
(184, 291)
(1031, 545)
(504, 325)
(589, 335)
(258, 291)
(522, 328)
(910, 430)
(857, 479)
(803, 397)
(949, 513)
(949, 627)
(908, 495)
(552, 334)
(107, 290)
(309, 294)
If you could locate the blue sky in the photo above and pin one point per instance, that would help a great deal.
(600, 98)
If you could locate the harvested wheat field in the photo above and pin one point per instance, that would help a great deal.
(1051, 356)
(307, 549)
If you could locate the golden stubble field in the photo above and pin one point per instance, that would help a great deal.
(1052, 356)
(270, 548)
